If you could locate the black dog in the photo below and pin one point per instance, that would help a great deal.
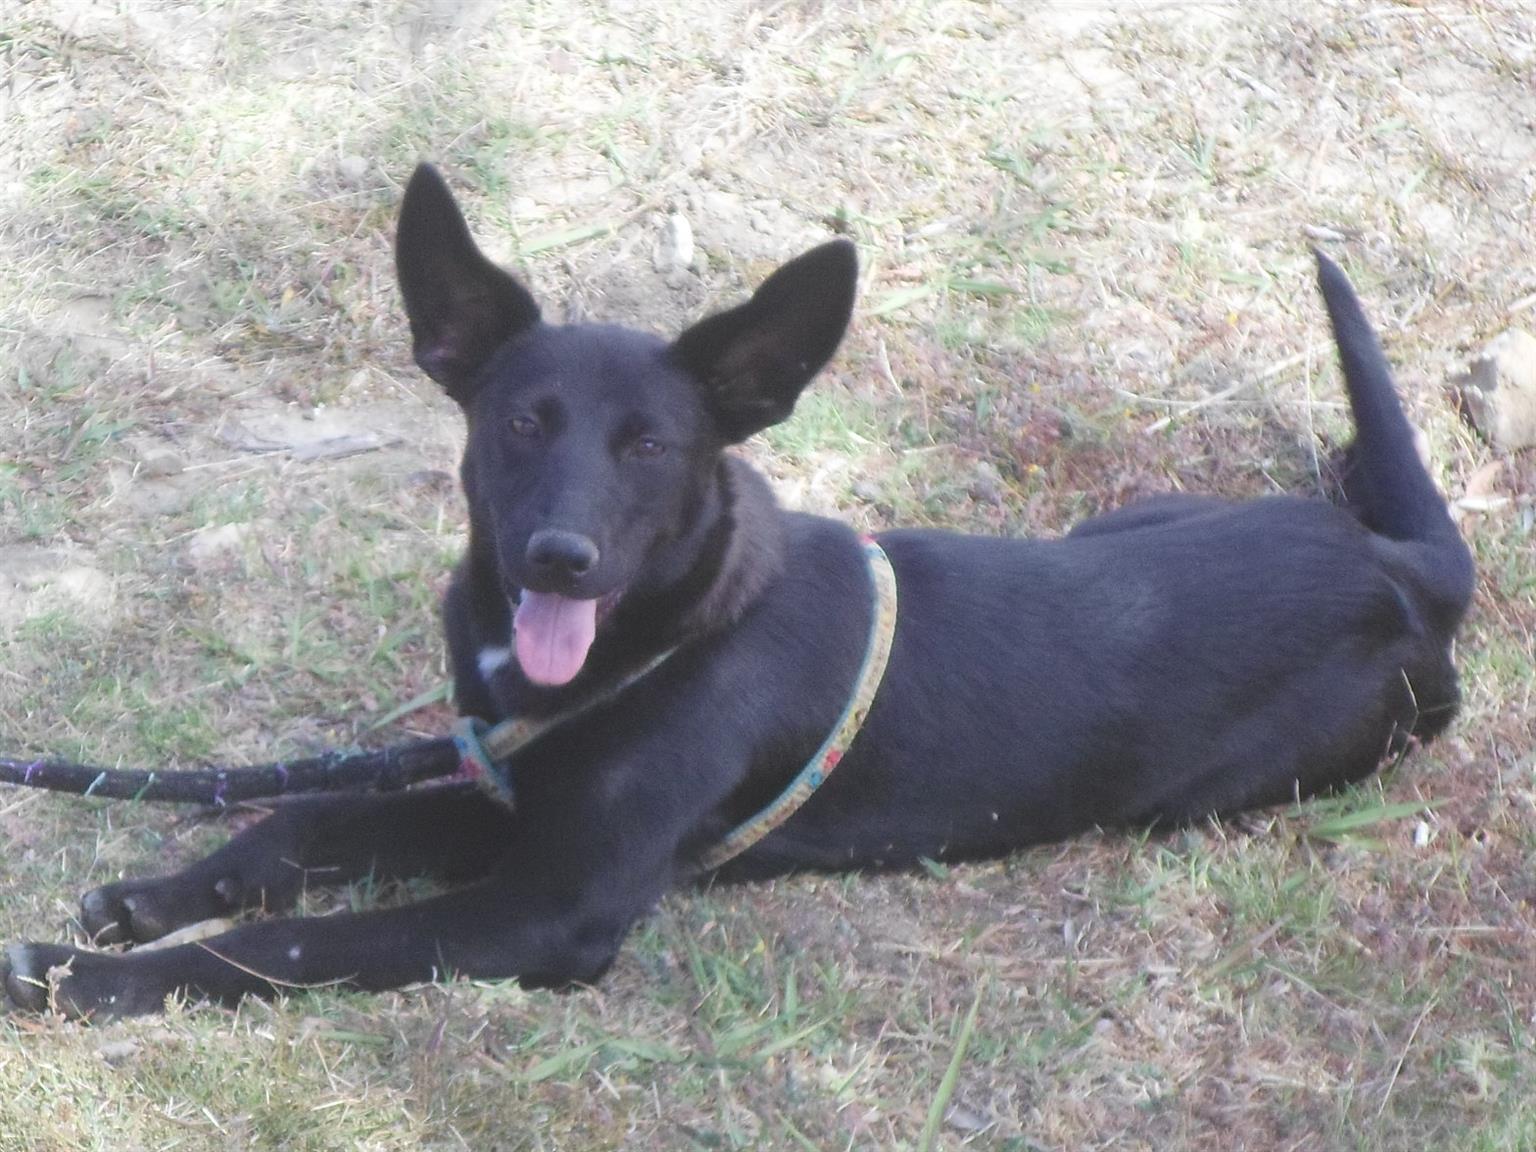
(1179, 658)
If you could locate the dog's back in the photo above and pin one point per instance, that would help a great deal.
(1183, 657)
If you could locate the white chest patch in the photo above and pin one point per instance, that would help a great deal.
(491, 658)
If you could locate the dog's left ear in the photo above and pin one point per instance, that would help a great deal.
(753, 360)
(461, 306)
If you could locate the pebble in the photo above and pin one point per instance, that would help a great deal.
(986, 484)
(160, 462)
(212, 544)
(1498, 392)
(117, 1051)
(673, 250)
(352, 168)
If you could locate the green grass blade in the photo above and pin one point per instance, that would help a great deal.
(563, 237)
(1344, 826)
(946, 1090)
(901, 298)
(434, 695)
(571, 1060)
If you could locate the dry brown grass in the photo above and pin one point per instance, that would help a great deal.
(1084, 227)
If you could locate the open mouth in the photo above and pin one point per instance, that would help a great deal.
(553, 634)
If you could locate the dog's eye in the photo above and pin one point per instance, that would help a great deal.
(647, 447)
(523, 426)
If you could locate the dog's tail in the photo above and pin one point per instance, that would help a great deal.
(1388, 484)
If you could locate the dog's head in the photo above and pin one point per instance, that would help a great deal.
(593, 451)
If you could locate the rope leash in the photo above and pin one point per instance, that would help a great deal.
(475, 750)
(478, 751)
(384, 770)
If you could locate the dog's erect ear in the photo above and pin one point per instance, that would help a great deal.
(753, 360)
(461, 306)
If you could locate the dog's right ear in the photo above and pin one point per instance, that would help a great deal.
(461, 306)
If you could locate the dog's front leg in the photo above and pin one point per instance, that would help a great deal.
(481, 931)
(453, 833)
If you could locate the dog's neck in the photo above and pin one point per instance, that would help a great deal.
(750, 549)
(734, 551)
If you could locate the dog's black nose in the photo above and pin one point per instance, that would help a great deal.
(556, 554)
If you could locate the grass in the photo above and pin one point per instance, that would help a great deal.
(1084, 234)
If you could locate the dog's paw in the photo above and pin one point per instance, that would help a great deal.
(35, 976)
(94, 986)
(24, 974)
(138, 911)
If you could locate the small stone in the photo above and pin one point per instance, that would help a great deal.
(429, 480)
(352, 168)
(158, 463)
(209, 545)
(674, 244)
(986, 484)
(116, 1051)
(1498, 393)
(963, 1118)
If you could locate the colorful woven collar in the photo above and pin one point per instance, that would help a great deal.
(882, 628)
(486, 752)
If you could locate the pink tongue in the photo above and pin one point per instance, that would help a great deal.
(553, 635)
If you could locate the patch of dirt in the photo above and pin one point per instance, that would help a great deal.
(36, 580)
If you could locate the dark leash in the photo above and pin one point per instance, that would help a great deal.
(476, 751)
(381, 770)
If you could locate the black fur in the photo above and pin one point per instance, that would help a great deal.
(1176, 659)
